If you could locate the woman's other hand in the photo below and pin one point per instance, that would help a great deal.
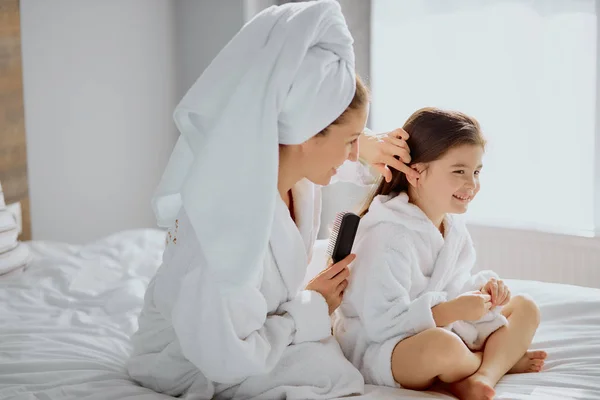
(381, 150)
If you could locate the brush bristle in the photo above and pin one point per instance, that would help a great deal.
(335, 229)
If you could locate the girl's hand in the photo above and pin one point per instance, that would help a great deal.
(381, 150)
(498, 291)
(471, 306)
(332, 282)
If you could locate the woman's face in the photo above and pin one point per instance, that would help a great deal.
(323, 154)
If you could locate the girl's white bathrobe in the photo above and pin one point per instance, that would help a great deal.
(404, 267)
(268, 340)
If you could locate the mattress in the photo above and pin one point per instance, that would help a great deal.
(67, 318)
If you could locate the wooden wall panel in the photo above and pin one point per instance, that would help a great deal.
(13, 146)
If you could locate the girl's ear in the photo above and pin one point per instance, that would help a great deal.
(420, 168)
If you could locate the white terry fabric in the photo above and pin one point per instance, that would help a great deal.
(474, 333)
(404, 267)
(283, 78)
(268, 339)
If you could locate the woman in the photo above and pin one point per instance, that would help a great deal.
(271, 119)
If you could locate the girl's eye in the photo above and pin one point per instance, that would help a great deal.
(477, 172)
(460, 171)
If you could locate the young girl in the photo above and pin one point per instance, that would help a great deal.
(413, 314)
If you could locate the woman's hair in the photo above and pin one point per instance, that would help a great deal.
(433, 132)
(359, 101)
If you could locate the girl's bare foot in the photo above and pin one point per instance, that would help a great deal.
(532, 361)
(474, 387)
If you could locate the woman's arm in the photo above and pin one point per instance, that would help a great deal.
(357, 172)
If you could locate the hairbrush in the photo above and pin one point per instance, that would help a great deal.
(342, 235)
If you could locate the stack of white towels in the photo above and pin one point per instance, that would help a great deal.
(13, 254)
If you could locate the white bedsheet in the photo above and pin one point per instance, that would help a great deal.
(67, 318)
(66, 321)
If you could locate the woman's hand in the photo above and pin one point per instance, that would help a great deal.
(498, 291)
(332, 282)
(380, 152)
(471, 306)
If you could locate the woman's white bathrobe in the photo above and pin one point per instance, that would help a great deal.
(404, 267)
(267, 340)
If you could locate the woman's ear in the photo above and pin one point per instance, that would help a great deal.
(412, 180)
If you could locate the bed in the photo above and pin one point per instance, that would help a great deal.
(67, 318)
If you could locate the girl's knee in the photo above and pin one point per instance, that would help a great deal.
(454, 361)
(418, 360)
(526, 305)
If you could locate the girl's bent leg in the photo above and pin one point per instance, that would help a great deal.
(503, 349)
(435, 353)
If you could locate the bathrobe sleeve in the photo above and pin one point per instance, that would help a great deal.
(231, 337)
(381, 283)
(464, 280)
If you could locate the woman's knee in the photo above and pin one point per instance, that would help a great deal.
(527, 306)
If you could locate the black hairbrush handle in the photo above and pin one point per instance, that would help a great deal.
(346, 225)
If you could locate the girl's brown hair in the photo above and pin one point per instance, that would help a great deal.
(433, 132)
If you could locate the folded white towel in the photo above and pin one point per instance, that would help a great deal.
(475, 333)
(7, 220)
(283, 78)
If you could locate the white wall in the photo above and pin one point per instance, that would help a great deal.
(536, 255)
(101, 80)
(203, 28)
